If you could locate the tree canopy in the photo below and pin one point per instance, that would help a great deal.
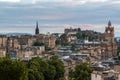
(59, 67)
(36, 69)
(38, 44)
(12, 69)
(40, 69)
(82, 72)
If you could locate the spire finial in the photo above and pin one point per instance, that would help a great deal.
(37, 29)
(109, 23)
(37, 24)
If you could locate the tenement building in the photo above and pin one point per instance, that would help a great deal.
(105, 75)
(22, 46)
(48, 40)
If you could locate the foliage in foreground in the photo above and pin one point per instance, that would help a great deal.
(38, 69)
(35, 69)
(82, 72)
(12, 69)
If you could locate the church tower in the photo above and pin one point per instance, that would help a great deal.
(109, 33)
(111, 45)
(37, 29)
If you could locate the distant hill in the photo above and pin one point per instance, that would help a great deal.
(17, 34)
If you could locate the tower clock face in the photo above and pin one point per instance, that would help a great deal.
(108, 31)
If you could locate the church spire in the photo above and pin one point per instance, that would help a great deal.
(109, 23)
(37, 29)
(37, 24)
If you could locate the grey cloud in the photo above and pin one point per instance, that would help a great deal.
(24, 15)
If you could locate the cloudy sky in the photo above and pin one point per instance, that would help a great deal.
(55, 15)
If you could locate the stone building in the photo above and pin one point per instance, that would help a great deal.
(3, 40)
(48, 40)
(105, 75)
(72, 31)
(92, 35)
(110, 44)
(30, 51)
(22, 45)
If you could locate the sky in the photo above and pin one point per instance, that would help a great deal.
(55, 15)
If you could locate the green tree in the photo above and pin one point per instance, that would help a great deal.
(118, 50)
(59, 67)
(82, 72)
(57, 42)
(37, 68)
(90, 38)
(31, 75)
(35, 75)
(79, 36)
(50, 73)
(12, 69)
(38, 44)
(47, 48)
(73, 47)
(65, 44)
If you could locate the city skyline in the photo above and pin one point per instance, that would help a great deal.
(21, 15)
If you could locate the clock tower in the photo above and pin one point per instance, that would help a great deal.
(109, 33)
(110, 42)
